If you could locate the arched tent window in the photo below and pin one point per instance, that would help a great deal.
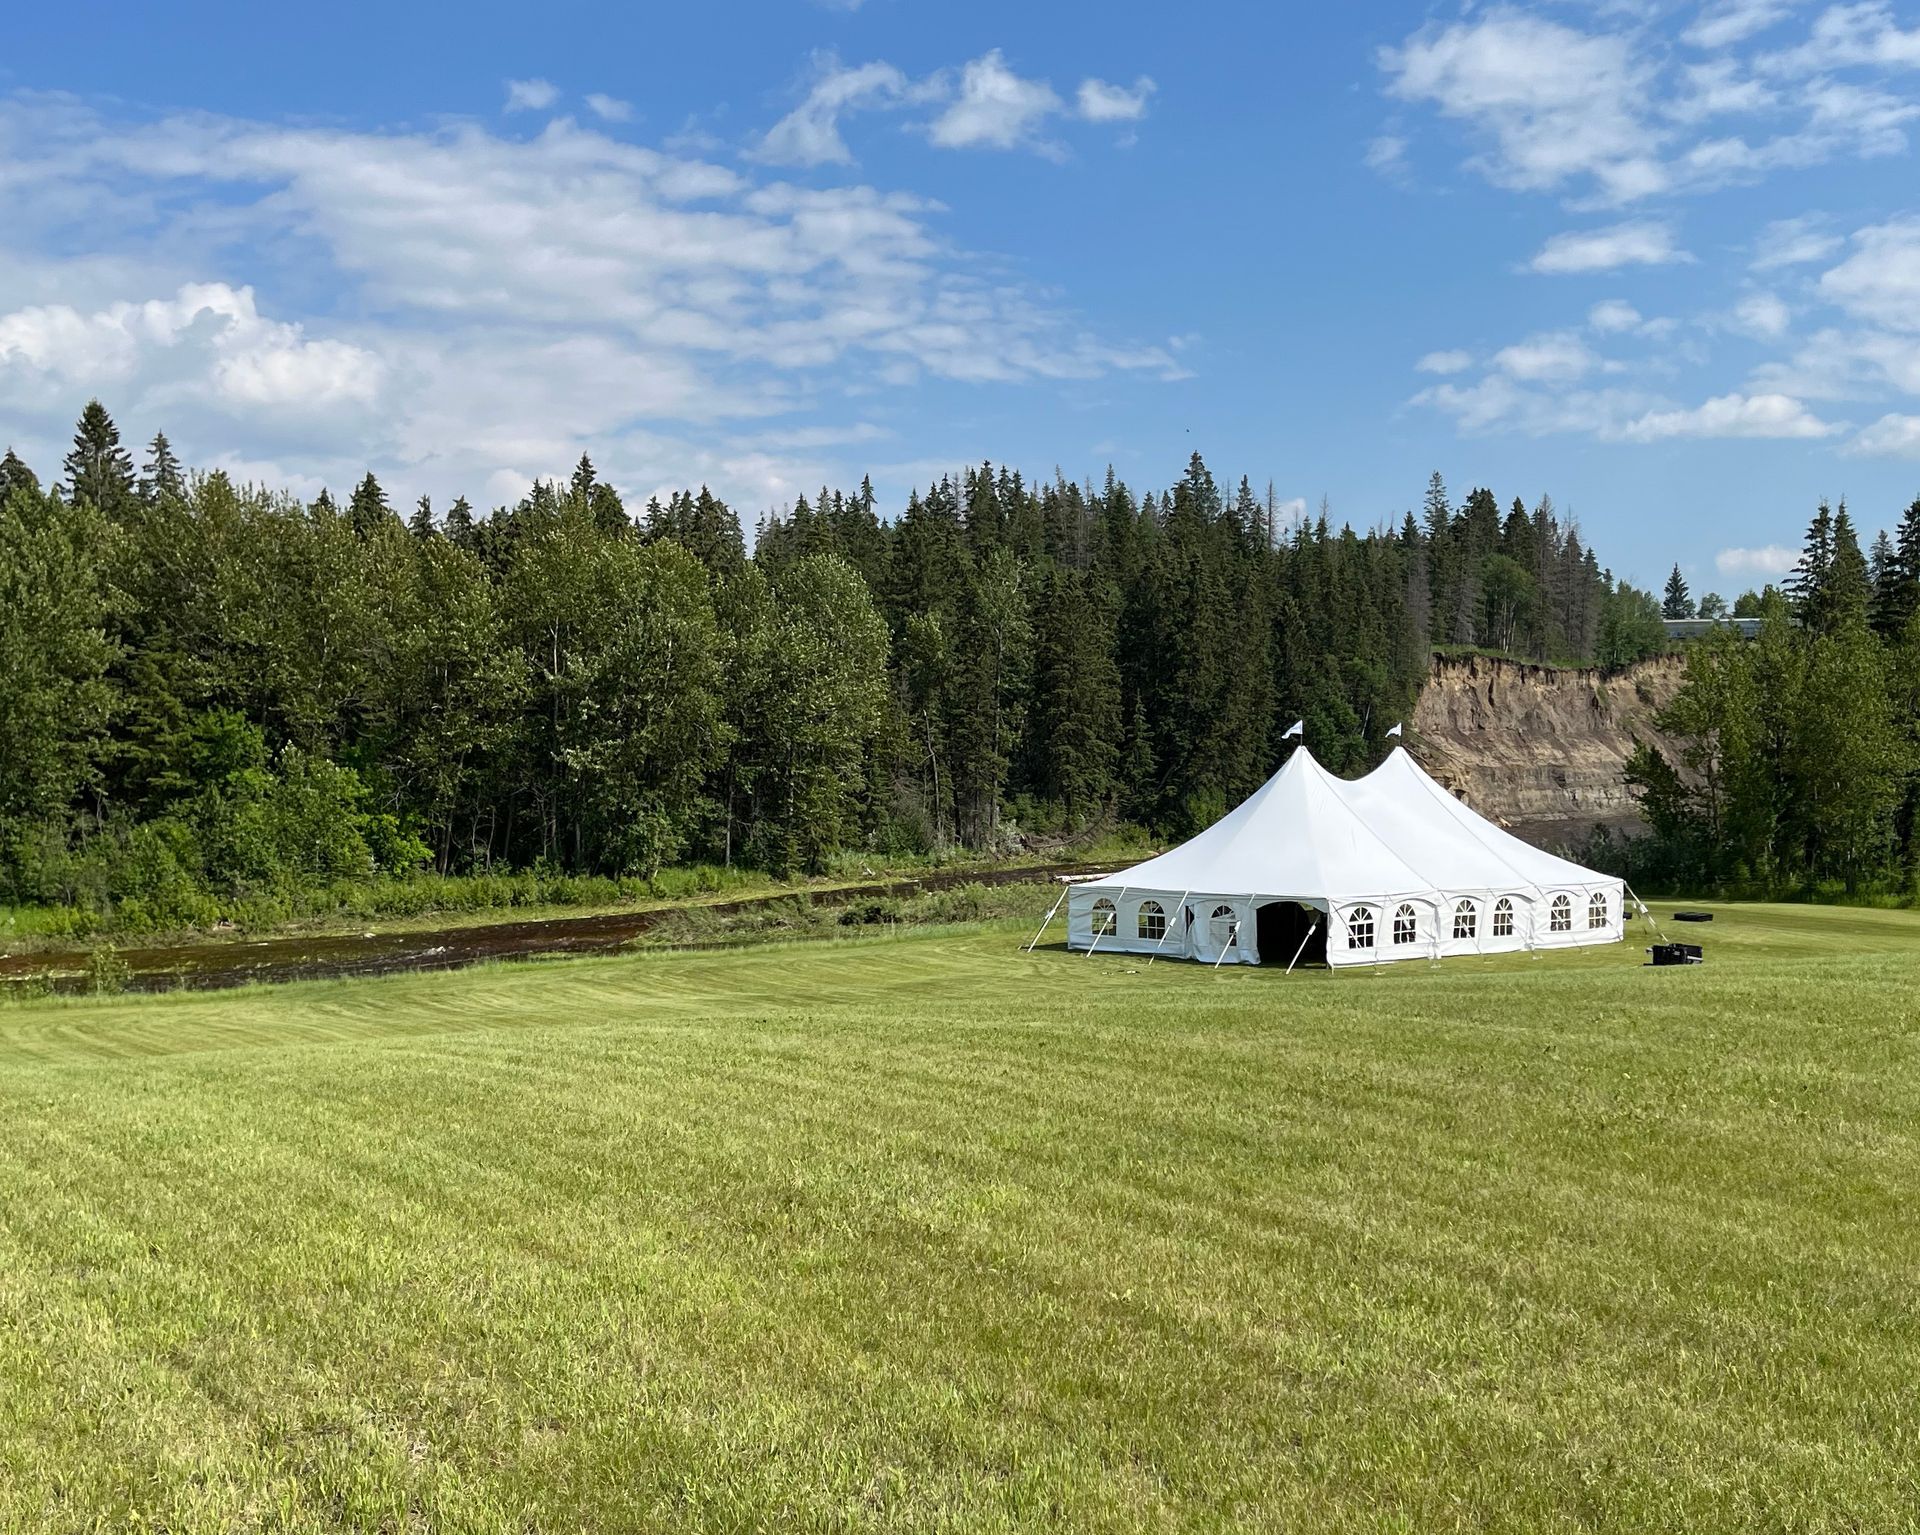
(1105, 919)
(1466, 919)
(1597, 910)
(1560, 915)
(1406, 925)
(1503, 918)
(1226, 928)
(1153, 921)
(1360, 928)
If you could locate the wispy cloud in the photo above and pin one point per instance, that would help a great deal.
(609, 109)
(531, 95)
(810, 133)
(532, 295)
(1454, 361)
(1642, 242)
(995, 108)
(1767, 560)
(1100, 102)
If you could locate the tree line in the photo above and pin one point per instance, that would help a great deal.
(209, 688)
(1799, 762)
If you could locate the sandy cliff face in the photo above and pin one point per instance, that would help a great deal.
(1542, 749)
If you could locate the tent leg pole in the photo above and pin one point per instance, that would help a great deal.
(1167, 930)
(1116, 924)
(1645, 911)
(1303, 947)
(1049, 918)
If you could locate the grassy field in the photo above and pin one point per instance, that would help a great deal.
(925, 1233)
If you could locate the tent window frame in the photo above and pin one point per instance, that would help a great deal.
(1406, 925)
(1105, 918)
(1597, 913)
(1150, 921)
(1227, 937)
(1466, 921)
(1503, 917)
(1360, 928)
(1560, 914)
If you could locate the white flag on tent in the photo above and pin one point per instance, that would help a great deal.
(1297, 728)
(1393, 732)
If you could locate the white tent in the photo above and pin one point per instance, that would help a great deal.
(1389, 866)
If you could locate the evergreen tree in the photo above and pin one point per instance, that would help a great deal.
(367, 509)
(99, 471)
(1678, 602)
(459, 527)
(162, 474)
(420, 525)
(14, 475)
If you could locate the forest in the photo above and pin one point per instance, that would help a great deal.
(1799, 769)
(213, 695)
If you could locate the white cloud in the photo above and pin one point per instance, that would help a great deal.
(1558, 104)
(1892, 436)
(610, 109)
(211, 330)
(1454, 361)
(1642, 242)
(1794, 242)
(1608, 116)
(1555, 357)
(1764, 315)
(1848, 36)
(1880, 281)
(1100, 102)
(531, 95)
(810, 134)
(995, 108)
(533, 297)
(1612, 316)
(1732, 21)
(1767, 560)
(1731, 415)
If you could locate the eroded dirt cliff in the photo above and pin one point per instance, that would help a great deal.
(1542, 749)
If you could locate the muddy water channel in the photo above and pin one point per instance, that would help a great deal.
(242, 962)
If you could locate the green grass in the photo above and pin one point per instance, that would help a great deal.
(926, 1233)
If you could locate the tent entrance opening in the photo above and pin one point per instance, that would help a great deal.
(1281, 925)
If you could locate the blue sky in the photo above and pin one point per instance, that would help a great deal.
(1660, 261)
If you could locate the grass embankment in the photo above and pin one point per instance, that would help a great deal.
(924, 1232)
(423, 902)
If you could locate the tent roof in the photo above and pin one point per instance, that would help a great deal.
(1295, 836)
(1306, 834)
(1404, 781)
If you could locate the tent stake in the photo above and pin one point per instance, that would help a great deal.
(1311, 930)
(1049, 917)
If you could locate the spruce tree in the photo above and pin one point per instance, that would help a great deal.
(1898, 597)
(420, 525)
(459, 525)
(99, 471)
(1806, 587)
(1678, 602)
(162, 474)
(15, 475)
(367, 509)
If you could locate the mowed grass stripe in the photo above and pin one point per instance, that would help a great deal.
(921, 1232)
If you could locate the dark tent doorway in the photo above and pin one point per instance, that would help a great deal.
(1281, 925)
